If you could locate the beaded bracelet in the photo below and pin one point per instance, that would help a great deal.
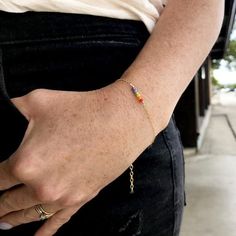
(140, 99)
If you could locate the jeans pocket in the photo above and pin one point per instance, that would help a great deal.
(68, 64)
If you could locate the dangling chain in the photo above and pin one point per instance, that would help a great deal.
(131, 178)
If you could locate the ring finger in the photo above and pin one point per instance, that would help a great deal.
(28, 215)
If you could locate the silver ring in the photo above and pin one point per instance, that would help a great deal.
(43, 215)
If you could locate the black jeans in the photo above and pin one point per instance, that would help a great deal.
(83, 52)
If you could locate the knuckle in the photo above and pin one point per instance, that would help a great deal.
(70, 201)
(47, 194)
(80, 199)
(15, 170)
(23, 168)
(38, 96)
(89, 196)
(36, 92)
(18, 170)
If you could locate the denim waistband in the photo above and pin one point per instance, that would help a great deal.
(42, 26)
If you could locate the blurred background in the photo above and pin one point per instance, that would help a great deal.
(206, 118)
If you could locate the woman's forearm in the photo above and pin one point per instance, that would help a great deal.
(181, 40)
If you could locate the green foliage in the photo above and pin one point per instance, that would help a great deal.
(229, 61)
(233, 86)
(215, 64)
(230, 56)
(216, 83)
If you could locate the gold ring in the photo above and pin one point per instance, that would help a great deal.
(43, 215)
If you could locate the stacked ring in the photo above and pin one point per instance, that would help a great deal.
(43, 215)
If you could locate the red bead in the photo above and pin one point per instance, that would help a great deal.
(140, 100)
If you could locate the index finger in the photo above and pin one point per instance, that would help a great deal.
(7, 179)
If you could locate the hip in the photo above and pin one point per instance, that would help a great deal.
(93, 53)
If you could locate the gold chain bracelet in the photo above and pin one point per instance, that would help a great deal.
(140, 99)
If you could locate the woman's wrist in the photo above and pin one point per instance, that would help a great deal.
(128, 115)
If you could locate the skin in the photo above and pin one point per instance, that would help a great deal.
(65, 127)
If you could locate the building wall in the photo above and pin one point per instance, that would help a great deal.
(192, 108)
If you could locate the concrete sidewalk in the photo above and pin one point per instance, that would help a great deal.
(211, 175)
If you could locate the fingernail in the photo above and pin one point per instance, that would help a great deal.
(5, 226)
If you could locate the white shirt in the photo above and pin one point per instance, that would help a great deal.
(147, 11)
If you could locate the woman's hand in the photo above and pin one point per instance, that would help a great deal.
(76, 143)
